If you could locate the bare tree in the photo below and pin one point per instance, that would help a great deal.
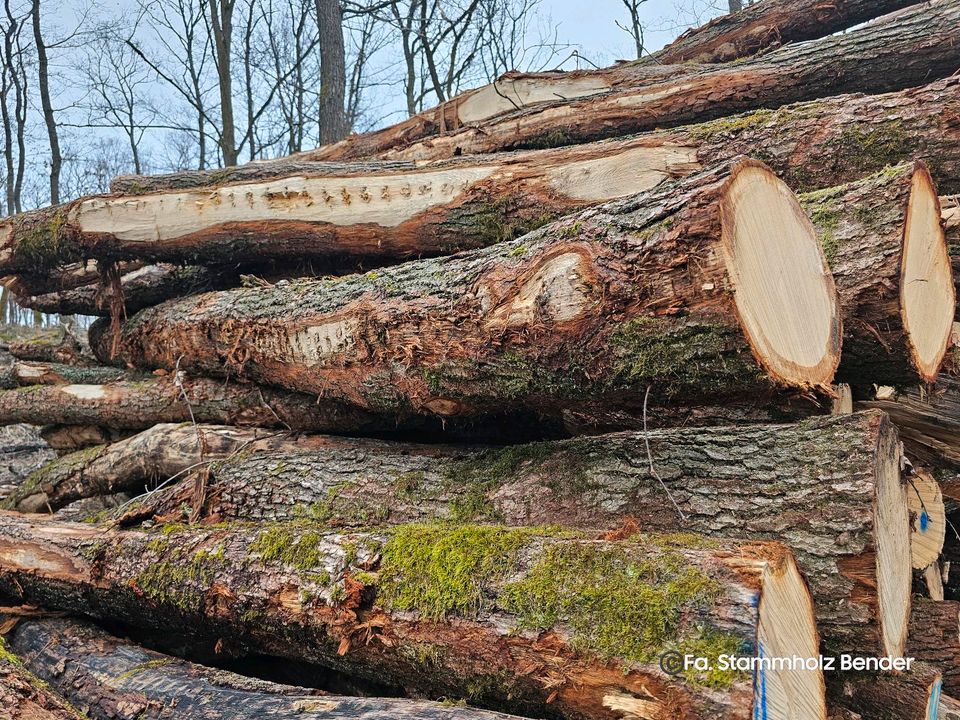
(46, 103)
(14, 77)
(221, 24)
(634, 26)
(735, 5)
(333, 74)
(510, 39)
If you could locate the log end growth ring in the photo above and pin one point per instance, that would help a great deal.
(784, 292)
(928, 519)
(927, 295)
(787, 629)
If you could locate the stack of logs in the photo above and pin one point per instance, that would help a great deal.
(507, 407)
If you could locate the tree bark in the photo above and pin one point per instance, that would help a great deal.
(765, 25)
(62, 279)
(137, 405)
(912, 695)
(935, 638)
(333, 73)
(605, 483)
(24, 697)
(161, 452)
(885, 244)
(56, 345)
(46, 104)
(367, 604)
(621, 100)
(928, 418)
(19, 374)
(585, 313)
(67, 438)
(349, 211)
(949, 708)
(101, 673)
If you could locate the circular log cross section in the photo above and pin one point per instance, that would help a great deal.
(928, 519)
(787, 629)
(784, 293)
(927, 297)
(893, 559)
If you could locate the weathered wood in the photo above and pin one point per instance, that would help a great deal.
(481, 612)
(935, 638)
(163, 451)
(62, 279)
(869, 59)
(101, 673)
(883, 239)
(811, 145)
(56, 345)
(679, 289)
(928, 418)
(911, 695)
(137, 405)
(20, 373)
(67, 438)
(829, 486)
(949, 708)
(760, 26)
(24, 697)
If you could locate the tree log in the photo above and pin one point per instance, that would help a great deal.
(19, 374)
(158, 453)
(935, 638)
(928, 519)
(56, 345)
(67, 438)
(24, 697)
(678, 289)
(137, 405)
(912, 695)
(622, 100)
(949, 708)
(760, 26)
(885, 244)
(928, 418)
(482, 612)
(101, 673)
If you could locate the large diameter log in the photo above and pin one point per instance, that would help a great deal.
(853, 136)
(913, 694)
(928, 418)
(869, 59)
(482, 612)
(137, 405)
(886, 247)
(163, 451)
(928, 519)
(935, 638)
(760, 26)
(355, 213)
(680, 289)
(101, 673)
(24, 697)
(830, 487)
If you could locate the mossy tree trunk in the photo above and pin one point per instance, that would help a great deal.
(869, 59)
(878, 252)
(24, 697)
(762, 482)
(582, 316)
(102, 673)
(20, 374)
(488, 614)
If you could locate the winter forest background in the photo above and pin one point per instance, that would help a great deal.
(90, 90)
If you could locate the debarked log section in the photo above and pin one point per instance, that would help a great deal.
(139, 404)
(480, 612)
(356, 211)
(884, 240)
(680, 288)
(830, 487)
(869, 59)
(102, 673)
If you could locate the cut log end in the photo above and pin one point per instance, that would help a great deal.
(927, 297)
(785, 294)
(928, 519)
(788, 629)
(893, 556)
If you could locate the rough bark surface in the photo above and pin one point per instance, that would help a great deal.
(761, 482)
(101, 673)
(861, 226)
(354, 604)
(935, 638)
(584, 314)
(760, 26)
(57, 345)
(19, 374)
(906, 48)
(928, 418)
(811, 145)
(912, 695)
(137, 405)
(24, 697)
(158, 453)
